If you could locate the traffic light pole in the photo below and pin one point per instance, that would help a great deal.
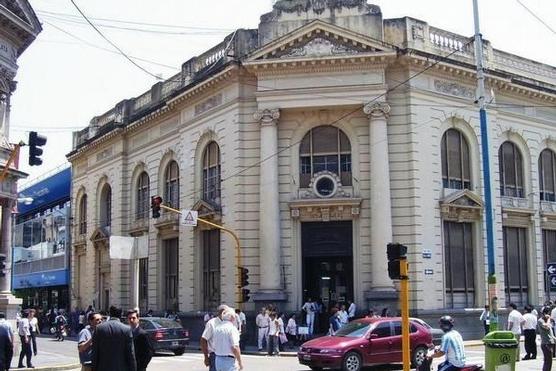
(404, 299)
(238, 249)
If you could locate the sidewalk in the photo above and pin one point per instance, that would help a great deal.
(52, 355)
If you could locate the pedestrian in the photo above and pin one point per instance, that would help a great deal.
(485, 318)
(309, 308)
(515, 321)
(343, 316)
(81, 321)
(273, 335)
(226, 343)
(385, 312)
(113, 348)
(61, 323)
(352, 308)
(546, 333)
(371, 314)
(85, 341)
(25, 337)
(6, 343)
(262, 328)
(291, 331)
(242, 327)
(530, 333)
(207, 338)
(333, 321)
(207, 317)
(34, 329)
(143, 348)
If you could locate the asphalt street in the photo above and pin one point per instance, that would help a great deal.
(53, 353)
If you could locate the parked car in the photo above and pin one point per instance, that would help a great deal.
(435, 332)
(365, 342)
(165, 334)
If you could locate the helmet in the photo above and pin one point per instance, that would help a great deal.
(446, 323)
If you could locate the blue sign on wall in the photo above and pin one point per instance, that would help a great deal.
(46, 193)
(41, 279)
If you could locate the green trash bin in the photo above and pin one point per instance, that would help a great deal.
(500, 351)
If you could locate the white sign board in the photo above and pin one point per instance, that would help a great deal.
(189, 218)
(121, 247)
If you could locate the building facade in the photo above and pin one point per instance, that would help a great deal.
(19, 28)
(320, 137)
(41, 243)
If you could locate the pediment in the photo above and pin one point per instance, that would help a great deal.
(318, 40)
(100, 234)
(23, 18)
(205, 208)
(463, 198)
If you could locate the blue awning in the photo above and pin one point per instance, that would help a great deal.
(41, 279)
(46, 193)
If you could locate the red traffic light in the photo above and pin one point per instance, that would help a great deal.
(156, 201)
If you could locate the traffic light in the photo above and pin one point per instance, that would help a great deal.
(245, 295)
(156, 201)
(396, 254)
(244, 276)
(3, 259)
(35, 142)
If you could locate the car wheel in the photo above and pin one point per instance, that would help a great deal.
(418, 356)
(352, 362)
(179, 352)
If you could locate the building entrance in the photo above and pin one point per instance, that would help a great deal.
(327, 262)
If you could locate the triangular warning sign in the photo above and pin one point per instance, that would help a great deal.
(189, 217)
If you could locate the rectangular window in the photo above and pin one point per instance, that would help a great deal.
(459, 266)
(171, 268)
(211, 269)
(515, 265)
(143, 283)
(345, 169)
(549, 254)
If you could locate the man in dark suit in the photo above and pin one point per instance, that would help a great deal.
(6, 343)
(143, 348)
(113, 346)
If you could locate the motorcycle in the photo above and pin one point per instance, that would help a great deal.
(427, 363)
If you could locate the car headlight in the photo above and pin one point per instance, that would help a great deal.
(327, 351)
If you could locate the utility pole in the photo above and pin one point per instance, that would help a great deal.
(479, 58)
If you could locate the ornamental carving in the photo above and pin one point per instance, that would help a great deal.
(208, 104)
(515, 202)
(267, 116)
(319, 6)
(325, 213)
(452, 88)
(319, 47)
(461, 206)
(377, 109)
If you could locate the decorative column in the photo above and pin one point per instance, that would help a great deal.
(269, 210)
(380, 203)
(5, 284)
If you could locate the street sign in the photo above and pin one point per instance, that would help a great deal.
(189, 218)
(551, 268)
(552, 280)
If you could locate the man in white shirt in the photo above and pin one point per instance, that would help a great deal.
(262, 328)
(207, 338)
(515, 321)
(226, 343)
(25, 337)
(351, 310)
(530, 333)
(309, 308)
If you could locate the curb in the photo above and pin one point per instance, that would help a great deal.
(72, 366)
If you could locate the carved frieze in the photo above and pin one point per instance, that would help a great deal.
(319, 47)
(515, 202)
(319, 6)
(452, 88)
(208, 104)
(325, 210)
(267, 116)
(377, 109)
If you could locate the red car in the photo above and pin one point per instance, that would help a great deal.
(365, 342)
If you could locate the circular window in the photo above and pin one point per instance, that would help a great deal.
(325, 186)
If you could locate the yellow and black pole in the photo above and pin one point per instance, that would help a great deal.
(238, 249)
(404, 298)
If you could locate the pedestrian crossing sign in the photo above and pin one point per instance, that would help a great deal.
(189, 218)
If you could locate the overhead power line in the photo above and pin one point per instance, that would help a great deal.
(114, 45)
(537, 17)
(66, 15)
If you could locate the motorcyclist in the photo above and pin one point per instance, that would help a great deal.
(451, 346)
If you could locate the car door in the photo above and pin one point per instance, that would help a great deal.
(396, 349)
(378, 346)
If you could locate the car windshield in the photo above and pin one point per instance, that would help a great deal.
(165, 323)
(353, 330)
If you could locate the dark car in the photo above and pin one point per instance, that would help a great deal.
(165, 334)
(365, 342)
(435, 332)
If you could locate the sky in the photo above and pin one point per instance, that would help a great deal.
(71, 74)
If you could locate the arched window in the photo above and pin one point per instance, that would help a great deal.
(547, 174)
(106, 206)
(211, 173)
(142, 201)
(511, 170)
(83, 215)
(456, 173)
(325, 148)
(172, 185)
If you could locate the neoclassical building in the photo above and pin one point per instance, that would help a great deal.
(320, 137)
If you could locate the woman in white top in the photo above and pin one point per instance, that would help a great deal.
(34, 329)
(343, 315)
(291, 331)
